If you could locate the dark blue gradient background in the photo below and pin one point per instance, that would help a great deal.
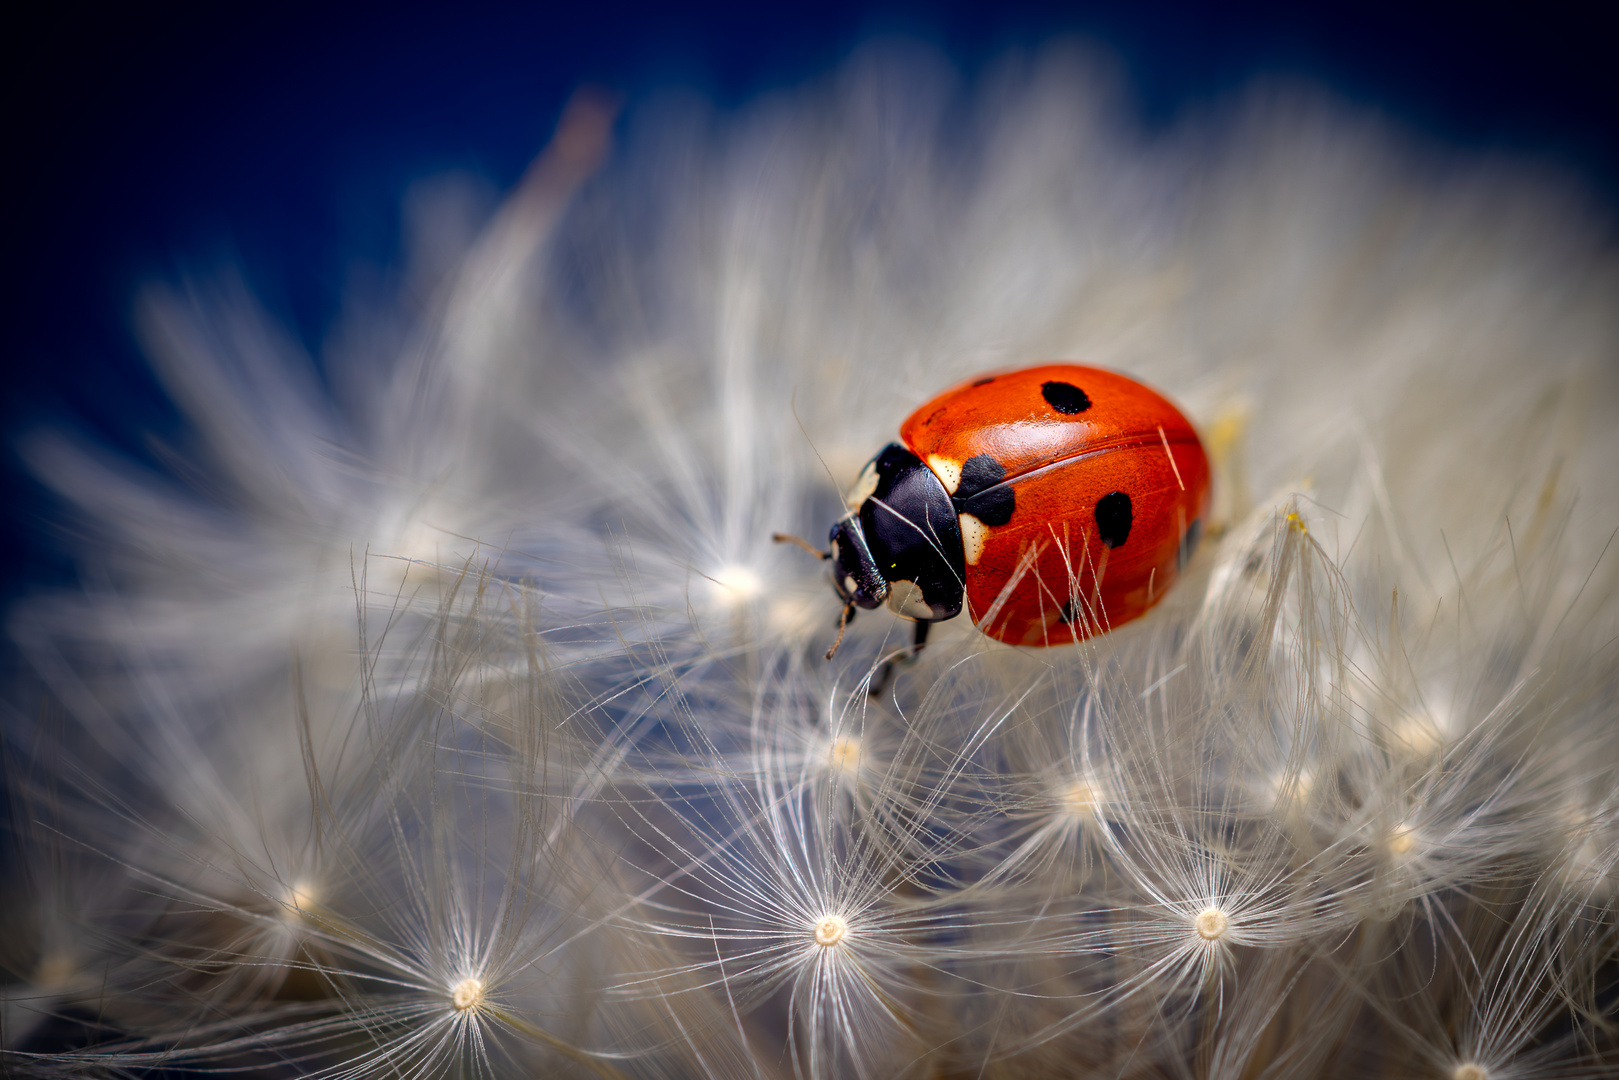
(154, 137)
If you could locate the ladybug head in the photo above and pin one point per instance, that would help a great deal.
(854, 571)
(900, 541)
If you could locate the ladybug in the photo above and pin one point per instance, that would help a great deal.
(1053, 503)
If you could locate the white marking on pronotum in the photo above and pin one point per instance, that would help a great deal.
(948, 471)
(863, 487)
(905, 598)
(1171, 455)
(973, 535)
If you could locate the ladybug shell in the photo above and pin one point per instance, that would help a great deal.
(1065, 477)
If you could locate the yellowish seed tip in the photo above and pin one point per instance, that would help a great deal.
(844, 755)
(1402, 838)
(1418, 736)
(468, 994)
(791, 611)
(299, 897)
(735, 584)
(56, 970)
(1227, 431)
(830, 930)
(1589, 866)
(1291, 790)
(1297, 522)
(1469, 1071)
(1079, 799)
(1212, 924)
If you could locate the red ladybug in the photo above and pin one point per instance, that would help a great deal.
(1055, 502)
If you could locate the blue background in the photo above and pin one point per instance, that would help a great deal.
(151, 138)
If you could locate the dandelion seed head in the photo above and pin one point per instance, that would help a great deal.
(830, 930)
(1426, 728)
(1418, 736)
(1467, 1070)
(467, 994)
(735, 585)
(843, 756)
(1078, 799)
(1401, 840)
(795, 610)
(1590, 867)
(1290, 790)
(1211, 924)
(56, 969)
(297, 899)
(417, 555)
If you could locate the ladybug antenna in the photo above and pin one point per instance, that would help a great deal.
(792, 405)
(789, 538)
(843, 624)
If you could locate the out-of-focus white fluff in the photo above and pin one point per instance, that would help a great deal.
(456, 712)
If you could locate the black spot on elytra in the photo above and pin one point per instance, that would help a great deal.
(981, 492)
(1113, 517)
(1066, 615)
(992, 507)
(977, 473)
(1066, 398)
(985, 381)
(1188, 548)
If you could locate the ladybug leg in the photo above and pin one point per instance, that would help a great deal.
(919, 638)
(843, 624)
(879, 682)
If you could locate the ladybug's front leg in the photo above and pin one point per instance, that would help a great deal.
(919, 638)
(843, 624)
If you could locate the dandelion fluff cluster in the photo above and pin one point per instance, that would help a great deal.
(451, 712)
